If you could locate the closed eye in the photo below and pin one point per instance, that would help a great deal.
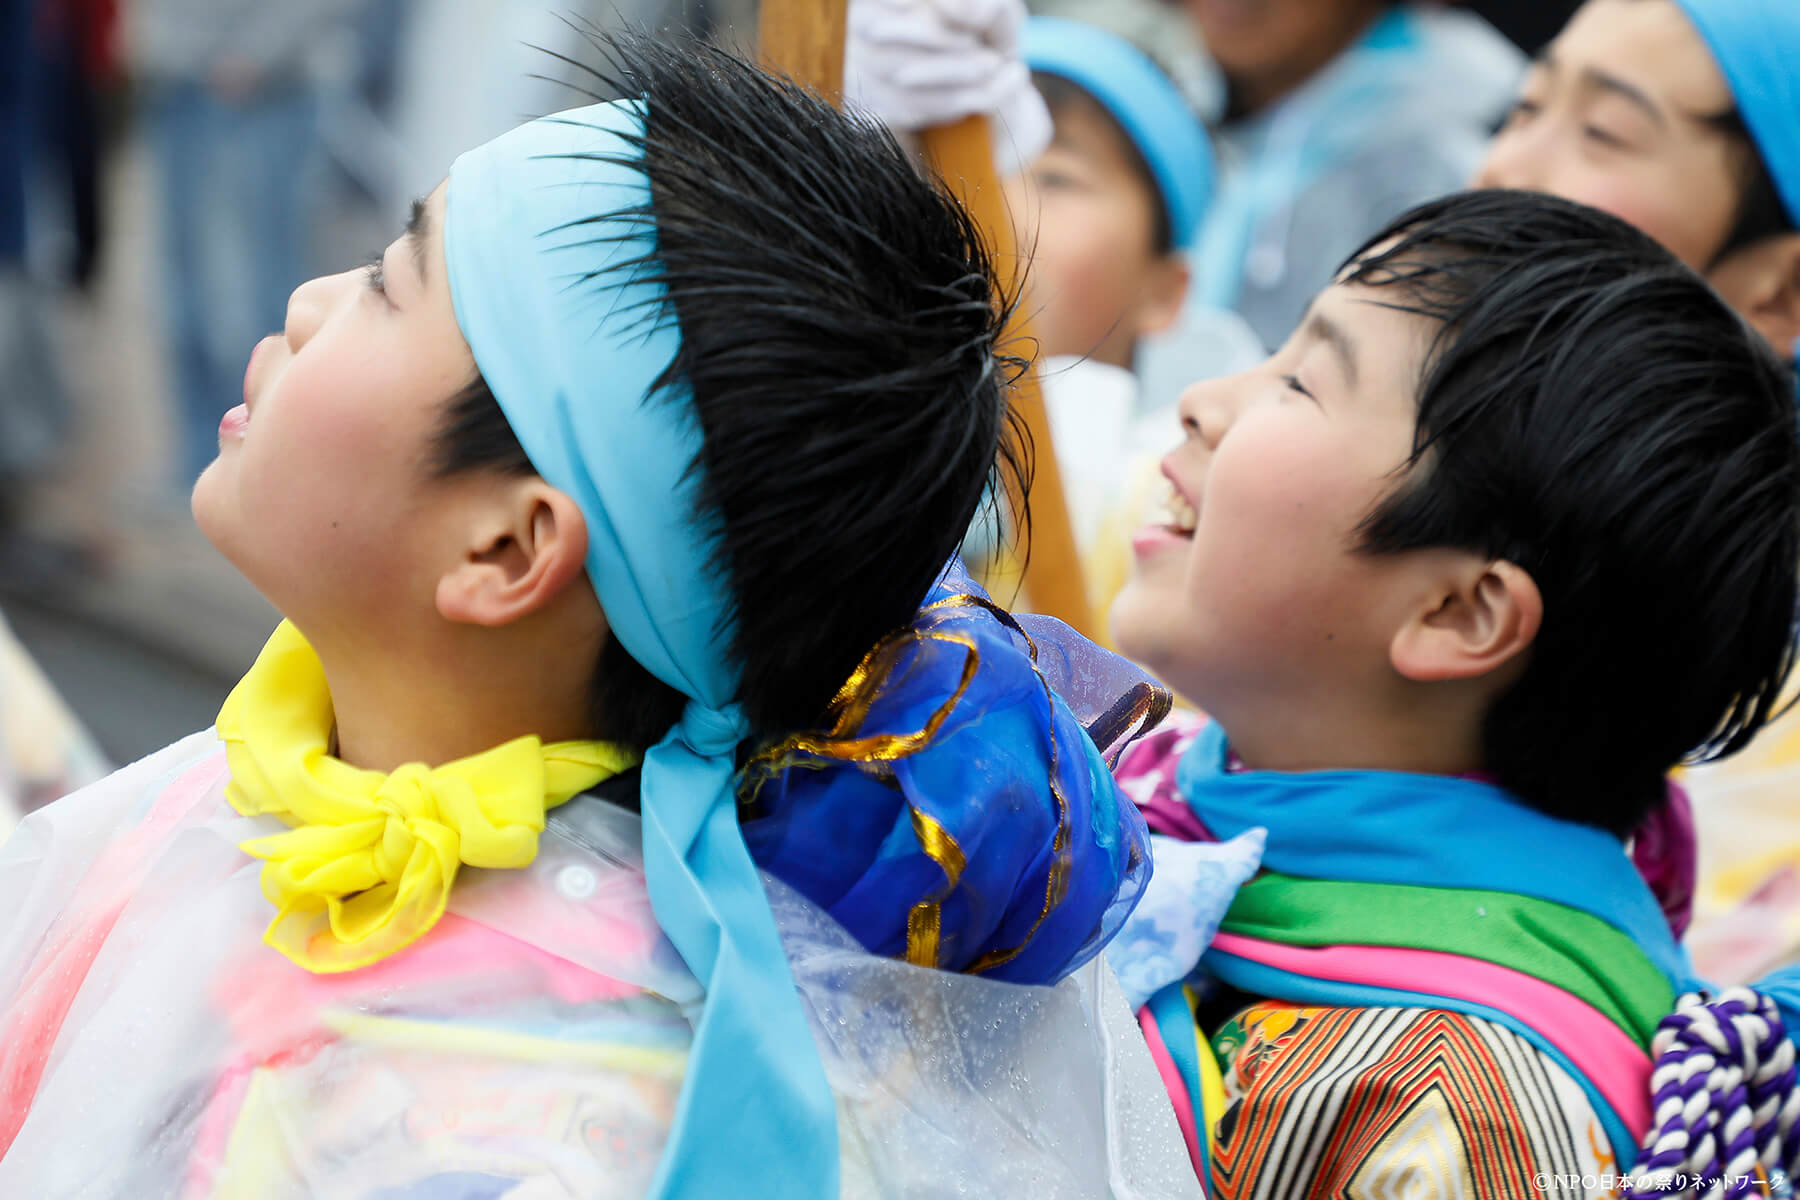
(372, 273)
(1294, 385)
(1520, 111)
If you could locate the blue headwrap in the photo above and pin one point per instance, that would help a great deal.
(1147, 105)
(963, 816)
(1757, 45)
(538, 237)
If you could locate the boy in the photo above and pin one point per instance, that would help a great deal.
(614, 486)
(1413, 568)
(1675, 115)
(1678, 117)
(1331, 117)
(1109, 212)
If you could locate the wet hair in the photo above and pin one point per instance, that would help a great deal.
(1590, 411)
(840, 325)
(1060, 95)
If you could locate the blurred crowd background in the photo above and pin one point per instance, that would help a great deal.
(169, 171)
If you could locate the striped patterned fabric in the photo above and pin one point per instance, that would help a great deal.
(1377, 1102)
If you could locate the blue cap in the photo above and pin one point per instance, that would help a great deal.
(1757, 45)
(1144, 101)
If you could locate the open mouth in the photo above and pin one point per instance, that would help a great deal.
(1179, 516)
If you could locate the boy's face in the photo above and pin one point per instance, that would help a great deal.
(1613, 114)
(321, 493)
(1267, 48)
(1088, 219)
(1254, 589)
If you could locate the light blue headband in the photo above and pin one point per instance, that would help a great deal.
(1757, 45)
(1147, 105)
(539, 239)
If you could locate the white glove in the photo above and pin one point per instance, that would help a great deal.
(916, 64)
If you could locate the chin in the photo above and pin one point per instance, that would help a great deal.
(211, 506)
(1133, 621)
(203, 501)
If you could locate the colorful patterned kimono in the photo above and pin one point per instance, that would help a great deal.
(1429, 989)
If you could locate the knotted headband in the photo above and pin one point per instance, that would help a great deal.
(1756, 44)
(545, 235)
(1147, 105)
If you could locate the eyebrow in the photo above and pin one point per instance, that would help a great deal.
(1606, 81)
(1625, 91)
(418, 232)
(1338, 338)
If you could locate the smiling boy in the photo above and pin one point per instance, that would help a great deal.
(1411, 569)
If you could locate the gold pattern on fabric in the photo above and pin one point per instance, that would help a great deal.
(1425, 1153)
(924, 923)
(842, 743)
(367, 865)
(1137, 712)
(1056, 885)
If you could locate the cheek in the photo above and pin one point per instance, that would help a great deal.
(1273, 548)
(1087, 263)
(326, 472)
(1683, 212)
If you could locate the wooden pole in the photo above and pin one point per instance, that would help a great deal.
(804, 39)
(963, 154)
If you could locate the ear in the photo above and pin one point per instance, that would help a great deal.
(1164, 292)
(1482, 617)
(524, 549)
(1762, 282)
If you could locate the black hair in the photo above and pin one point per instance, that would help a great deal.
(1592, 412)
(1761, 212)
(626, 703)
(1061, 93)
(840, 322)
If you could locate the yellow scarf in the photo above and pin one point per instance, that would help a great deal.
(367, 868)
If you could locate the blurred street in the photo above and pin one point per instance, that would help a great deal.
(144, 638)
(134, 617)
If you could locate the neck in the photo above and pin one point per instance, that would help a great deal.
(453, 700)
(1442, 737)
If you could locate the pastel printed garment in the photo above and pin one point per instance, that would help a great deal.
(532, 1044)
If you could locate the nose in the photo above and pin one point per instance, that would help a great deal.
(310, 303)
(1206, 410)
(1514, 160)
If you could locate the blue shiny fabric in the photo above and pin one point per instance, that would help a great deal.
(1054, 858)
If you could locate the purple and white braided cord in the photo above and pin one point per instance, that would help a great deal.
(1723, 1090)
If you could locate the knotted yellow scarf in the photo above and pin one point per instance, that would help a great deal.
(367, 868)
